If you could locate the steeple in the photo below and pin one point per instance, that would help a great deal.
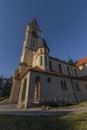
(70, 61)
(45, 45)
(34, 23)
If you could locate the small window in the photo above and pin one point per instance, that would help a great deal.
(45, 50)
(49, 80)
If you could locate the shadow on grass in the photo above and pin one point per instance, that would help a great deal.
(65, 122)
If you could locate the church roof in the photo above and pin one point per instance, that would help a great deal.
(81, 62)
(37, 69)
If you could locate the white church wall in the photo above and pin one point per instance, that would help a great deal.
(14, 91)
(20, 102)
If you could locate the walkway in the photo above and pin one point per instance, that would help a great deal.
(12, 109)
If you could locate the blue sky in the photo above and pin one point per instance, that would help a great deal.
(63, 22)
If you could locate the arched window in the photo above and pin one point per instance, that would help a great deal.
(34, 33)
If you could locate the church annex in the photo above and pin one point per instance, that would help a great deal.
(42, 79)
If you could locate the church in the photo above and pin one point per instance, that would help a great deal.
(42, 79)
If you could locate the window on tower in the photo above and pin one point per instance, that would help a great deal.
(33, 33)
(40, 50)
(41, 60)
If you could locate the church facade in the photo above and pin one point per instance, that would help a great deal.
(42, 79)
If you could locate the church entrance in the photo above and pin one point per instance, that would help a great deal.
(37, 90)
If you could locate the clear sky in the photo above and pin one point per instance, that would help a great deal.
(63, 22)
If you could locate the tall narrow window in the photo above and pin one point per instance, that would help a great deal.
(77, 87)
(68, 70)
(64, 85)
(60, 69)
(45, 60)
(50, 64)
(41, 60)
(40, 50)
(75, 72)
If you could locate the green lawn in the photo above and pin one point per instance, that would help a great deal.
(68, 122)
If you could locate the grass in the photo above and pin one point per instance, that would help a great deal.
(77, 121)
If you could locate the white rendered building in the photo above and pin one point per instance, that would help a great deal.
(43, 79)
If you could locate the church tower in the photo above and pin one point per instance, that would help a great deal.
(32, 38)
(35, 53)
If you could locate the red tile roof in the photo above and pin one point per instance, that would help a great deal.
(81, 62)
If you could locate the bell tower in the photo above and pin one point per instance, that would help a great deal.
(31, 39)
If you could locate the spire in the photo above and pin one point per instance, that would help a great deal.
(70, 61)
(34, 23)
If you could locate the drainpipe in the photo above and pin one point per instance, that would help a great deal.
(74, 91)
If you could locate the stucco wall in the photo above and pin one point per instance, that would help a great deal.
(52, 91)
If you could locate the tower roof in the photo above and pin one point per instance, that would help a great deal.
(34, 23)
(45, 45)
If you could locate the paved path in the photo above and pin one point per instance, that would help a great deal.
(12, 109)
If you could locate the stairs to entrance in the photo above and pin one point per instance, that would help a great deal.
(5, 102)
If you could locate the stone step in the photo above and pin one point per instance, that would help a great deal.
(4, 102)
